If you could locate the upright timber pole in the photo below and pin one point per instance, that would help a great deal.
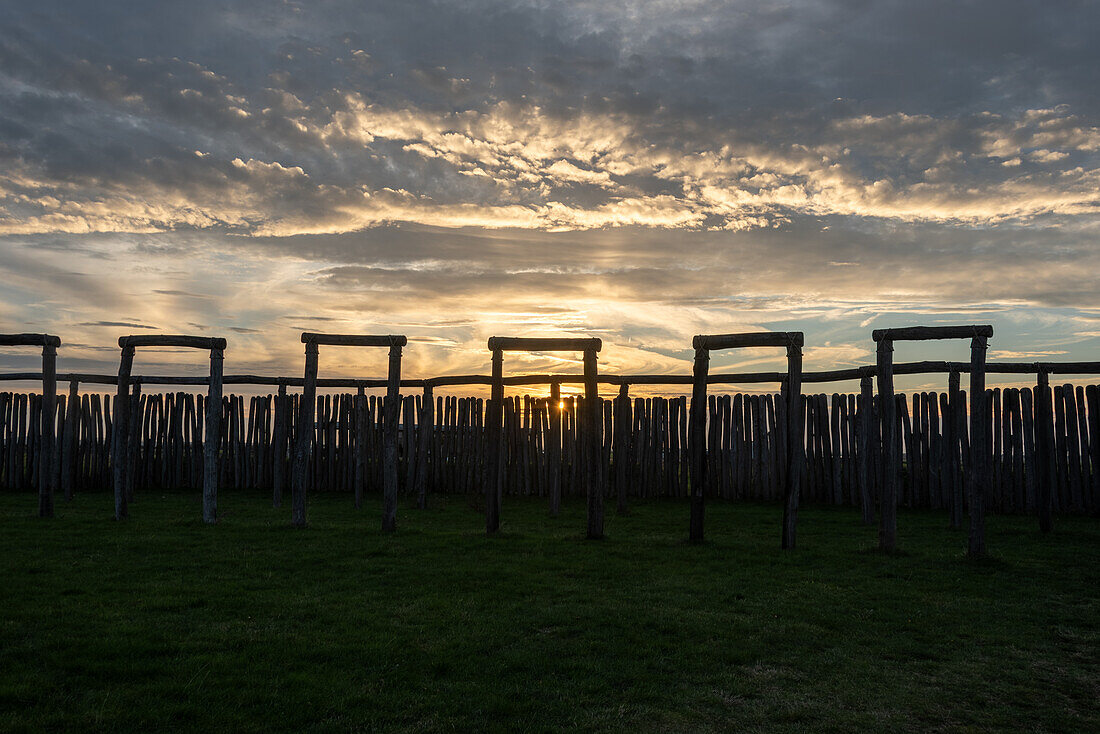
(1044, 441)
(976, 480)
(888, 505)
(698, 443)
(979, 443)
(389, 439)
(213, 438)
(594, 486)
(703, 345)
(621, 434)
(868, 443)
(954, 402)
(390, 418)
(305, 428)
(49, 418)
(493, 487)
(794, 439)
(120, 438)
(590, 422)
(554, 449)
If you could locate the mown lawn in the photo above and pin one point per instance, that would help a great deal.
(161, 622)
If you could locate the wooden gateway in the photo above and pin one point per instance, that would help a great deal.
(120, 443)
(590, 424)
(306, 420)
(792, 389)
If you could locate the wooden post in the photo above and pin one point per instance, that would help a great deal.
(493, 488)
(213, 432)
(134, 442)
(359, 458)
(794, 443)
(68, 449)
(120, 434)
(48, 422)
(427, 425)
(698, 446)
(282, 418)
(306, 408)
(622, 446)
(888, 505)
(389, 441)
(868, 442)
(555, 448)
(955, 444)
(979, 439)
(594, 419)
(1045, 443)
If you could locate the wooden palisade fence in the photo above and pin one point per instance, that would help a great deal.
(1042, 443)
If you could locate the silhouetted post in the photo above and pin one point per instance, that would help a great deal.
(1044, 441)
(954, 401)
(493, 487)
(595, 422)
(979, 445)
(698, 427)
(794, 441)
(213, 434)
(131, 448)
(305, 437)
(427, 426)
(888, 503)
(120, 434)
(554, 452)
(389, 438)
(867, 443)
(68, 449)
(621, 440)
(282, 418)
(49, 409)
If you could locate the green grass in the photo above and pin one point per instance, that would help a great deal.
(161, 622)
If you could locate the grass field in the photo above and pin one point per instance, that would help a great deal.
(164, 623)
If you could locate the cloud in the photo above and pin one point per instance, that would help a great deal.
(643, 171)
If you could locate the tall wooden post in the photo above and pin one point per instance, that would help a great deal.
(213, 434)
(48, 422)
(493, 486)
(794, 442)
(554, 449)
(134, 439)
(121, 433)
(979, 443)
(698, 448)
(954, 401)
(622, 436)
(868, 442)
(359, 415)
(68, 449)
(389, 441)
(1044, 441)
(427, 427)
(594, 424)
(305, 437)
(888, 504)
(282, 418)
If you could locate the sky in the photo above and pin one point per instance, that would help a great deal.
(637, 171)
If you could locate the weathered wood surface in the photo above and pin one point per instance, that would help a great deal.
(917, 333)
(752, 339)
(171, 340)
(551, 344)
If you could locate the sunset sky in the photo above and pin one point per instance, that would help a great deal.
(637, 171)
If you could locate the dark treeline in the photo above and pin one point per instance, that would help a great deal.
(644, 446)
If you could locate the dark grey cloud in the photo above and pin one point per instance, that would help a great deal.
(234, 166)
